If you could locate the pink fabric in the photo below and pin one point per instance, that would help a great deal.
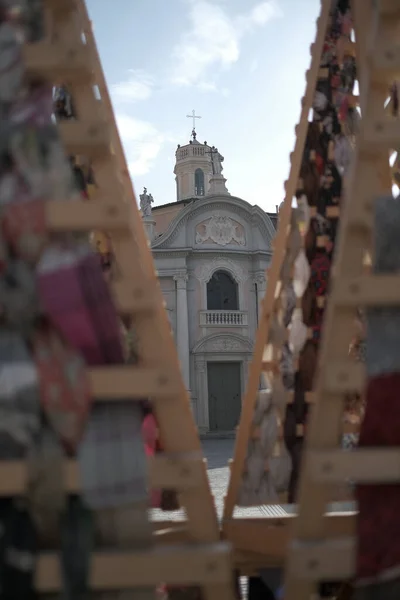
(150, 438)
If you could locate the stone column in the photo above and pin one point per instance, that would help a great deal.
(202, 399)
(149, 225)
(182, 325)
(261, 282)
(246, 370)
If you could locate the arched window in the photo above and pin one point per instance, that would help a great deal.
(222, 292)
(199, 182)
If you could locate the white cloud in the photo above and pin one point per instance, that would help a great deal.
(138, 86)
(261, 14)
(213, 39)
(142, 143)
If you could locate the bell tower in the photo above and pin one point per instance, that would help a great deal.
(198, 168)
(192, 169)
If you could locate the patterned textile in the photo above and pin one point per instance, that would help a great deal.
(45, 485)
(150, 438)
(63, 105)
(386, 590)
(326, 158)
(354, 403)
(18, 551)
(378, 523)
(84, 178)
(19, 396)
(349, 441)
(320, 267)
(25, 228)
(52, 280)
(111, 456)
(64, 386)
(19, 304)
(266, 472)
(383, 323)
(77, 301)
(77, 541)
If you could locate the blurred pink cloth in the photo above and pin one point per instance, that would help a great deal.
(150, 439)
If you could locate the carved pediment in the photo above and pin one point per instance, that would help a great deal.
(218, 226)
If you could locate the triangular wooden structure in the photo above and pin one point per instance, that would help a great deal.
(68, 56)
(313, 556)
(270, 307)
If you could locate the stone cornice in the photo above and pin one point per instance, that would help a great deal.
(169, 252)
(205, 252)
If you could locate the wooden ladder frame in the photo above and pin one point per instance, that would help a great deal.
(313, 557)
(68, 57)
(257, 535)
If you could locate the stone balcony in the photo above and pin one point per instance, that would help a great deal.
(223, 318)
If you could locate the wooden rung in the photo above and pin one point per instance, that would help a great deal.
(89, 139)
(372, 465)
(351, 427)
(330, 560)
(60, 6)
(332, 212)
(131, 299)
(55, 62)
(368, 290)
(175, 472)
(389, 8)
(322, 241)
(81, 215)
(344, 377)
(271, 366)
(271, 535)
(309, 397)
(385, 62)
(378, 134)
(132, 383)
(180, 565)
(320, 301)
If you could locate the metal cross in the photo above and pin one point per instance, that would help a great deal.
(194, 117)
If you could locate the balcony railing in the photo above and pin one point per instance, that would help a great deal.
(223, 318)
(192, 150)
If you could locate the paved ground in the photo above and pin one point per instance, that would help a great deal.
(218, 452)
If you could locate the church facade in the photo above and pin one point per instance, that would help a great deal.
(211, 250)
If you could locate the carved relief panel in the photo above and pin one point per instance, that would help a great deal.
(221, 230)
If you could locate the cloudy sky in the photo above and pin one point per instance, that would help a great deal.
(239, 63)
